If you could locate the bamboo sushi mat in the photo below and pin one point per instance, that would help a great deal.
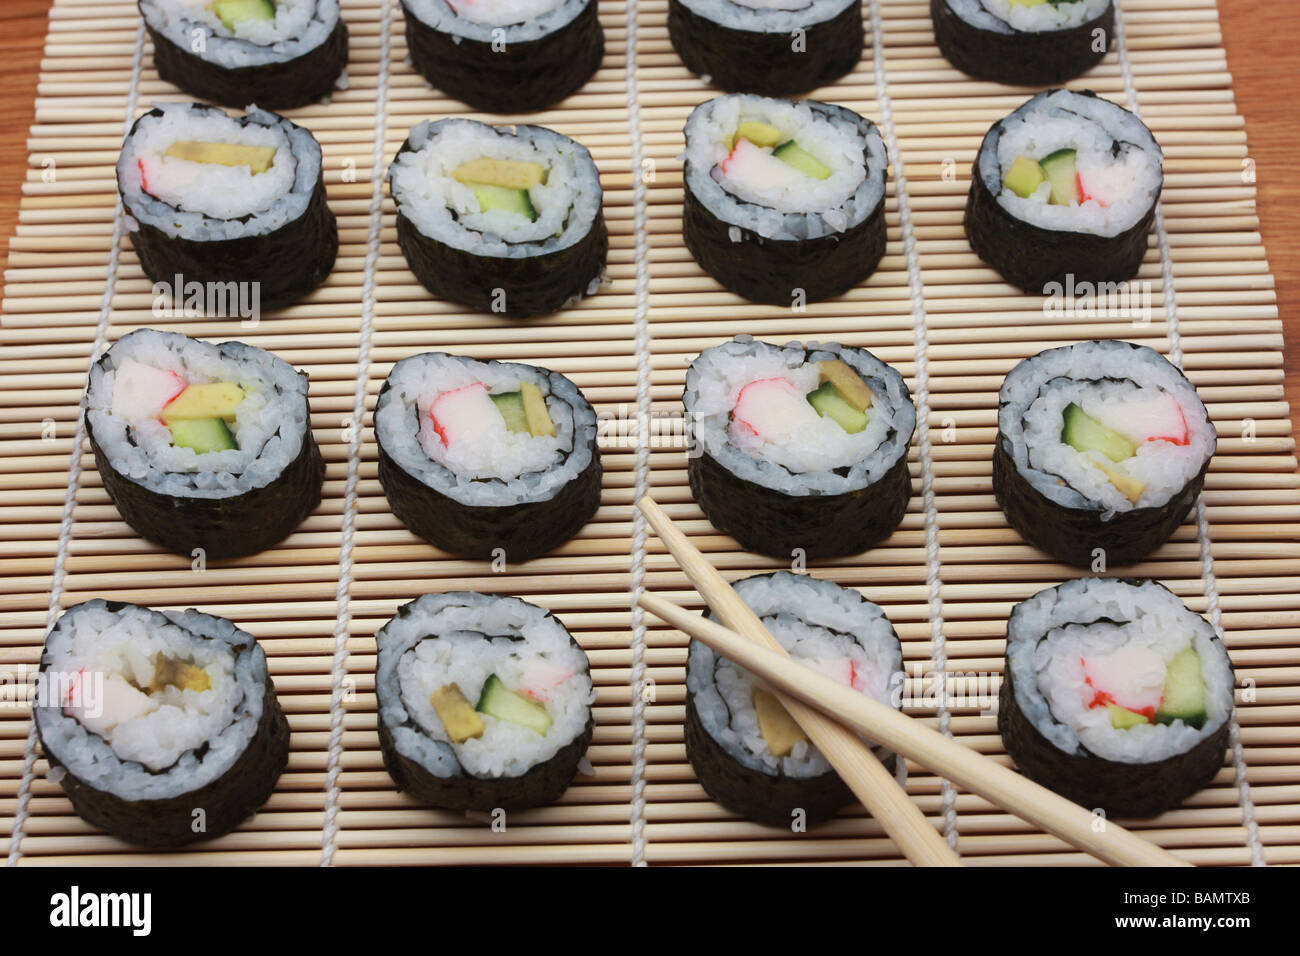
(947, 578)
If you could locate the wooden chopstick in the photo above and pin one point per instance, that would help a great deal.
(892, 728)
(852, 759)
(905, 735)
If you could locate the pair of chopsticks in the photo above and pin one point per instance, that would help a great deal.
(834, 716)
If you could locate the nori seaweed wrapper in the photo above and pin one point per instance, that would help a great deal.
(287, 263)
(748, 61)
(1120, 789)
(282, 85)
(1020, 58)
(522, 78)
(532, 285)
(524, 531)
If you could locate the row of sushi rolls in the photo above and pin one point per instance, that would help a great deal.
(1115, 693)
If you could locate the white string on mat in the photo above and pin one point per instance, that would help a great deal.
(639, 530)
(343, 594)
(22, 809)
(1209, 581)
(934, 582)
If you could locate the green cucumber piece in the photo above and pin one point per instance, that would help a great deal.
(792, 155)
(202, 434)
(511, 407)
(831, 404)
(1184, 691)
(230, 12)
(1061, 170)
(504, 198)
(499, 701)
(1084, 433)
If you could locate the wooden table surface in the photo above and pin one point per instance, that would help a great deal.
(1262, 38)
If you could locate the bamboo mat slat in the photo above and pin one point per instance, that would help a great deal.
(947, 578)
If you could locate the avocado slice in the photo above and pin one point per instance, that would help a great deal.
(847, 382)
(213, 400)
(202, 434)
(511, 407)
(1024, 177)
(505, 704)
(508, 200)
(1062, 172)
(775, 724)
(539, 419)
(830, 403)
(256, 158)
(170, 672)
(1184, 697)
(460, 720)
(760, 134)
(1084, 433)
(506, 173)
(231, 12)
(1121, 718)
(808, 164)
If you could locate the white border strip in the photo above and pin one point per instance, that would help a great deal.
(57, 578)
(938, 643)
(642, 325)
(343, 595)
(1202, 521)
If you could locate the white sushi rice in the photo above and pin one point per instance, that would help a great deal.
(1114, 148)
(510, 470)
(483, 20)
(464, 638)
(1049, 635)
(270, 423)
(154, 756)
(1003, 17)
(208, 201)
(299, 27)
(567, 203)
(768, 16)
(809, 209)
(820, 459)
(1033, 399)
(827, 627)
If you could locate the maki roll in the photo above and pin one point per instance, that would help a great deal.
(162, 727)
(279, 53)
(484, 702)
(796, 448)
(1102, 448)
(1115, 695)
(784, 202)
(744, 746)
(203, 446)
(1067, 185)
(505, 56)
(216, 199)
(1023, 42)
(503, 219)
(487, 459)
(774, 47)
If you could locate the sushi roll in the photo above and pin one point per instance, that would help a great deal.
(773, 47)
(487, 459)
(1067, 185)
(484, 702)
(203, 446)
(1102, 448)
(505, 56)
(503, 219)
(217, 199)
(1023, 42)
(1115, 695)
(745, 748)
(798, 449)
(784, 201)
(278, 53)
(162, 727)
